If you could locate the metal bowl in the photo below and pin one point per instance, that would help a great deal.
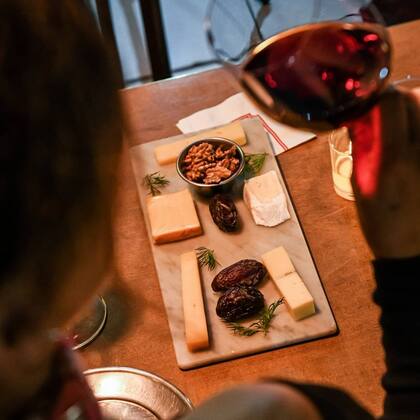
(127, 393)
(210, 189)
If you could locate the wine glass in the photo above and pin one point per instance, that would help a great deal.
(88, 324)
(303, 63)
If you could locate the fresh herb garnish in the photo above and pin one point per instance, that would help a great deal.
(253, 164)
(154, 182)
(206, 257)
(262, 325)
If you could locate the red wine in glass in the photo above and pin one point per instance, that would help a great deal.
(330, 71)
(320, 73)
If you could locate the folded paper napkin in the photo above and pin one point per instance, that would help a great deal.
(282, 137)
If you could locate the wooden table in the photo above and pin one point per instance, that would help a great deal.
(137, 332)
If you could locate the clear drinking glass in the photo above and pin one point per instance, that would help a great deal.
(341, 146)
(408, 82)
(341, 162)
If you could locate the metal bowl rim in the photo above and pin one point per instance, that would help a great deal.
(140, 372)
(209, 139)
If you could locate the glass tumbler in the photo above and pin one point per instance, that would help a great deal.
(341, 162)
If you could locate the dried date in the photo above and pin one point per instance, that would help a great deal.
(242, 273)
(223, 212)
(239, 302)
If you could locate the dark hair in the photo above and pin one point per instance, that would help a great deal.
(59, 135)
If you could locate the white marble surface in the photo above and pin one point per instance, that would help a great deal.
(250, 242)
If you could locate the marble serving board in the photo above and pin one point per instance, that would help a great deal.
(251, 241)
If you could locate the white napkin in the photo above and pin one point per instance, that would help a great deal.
(282, 137)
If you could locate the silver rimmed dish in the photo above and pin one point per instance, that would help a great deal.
(127, 393)
(210, 189)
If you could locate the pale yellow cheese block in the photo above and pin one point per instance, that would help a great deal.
(173, 217)
(196, 334)
(299, 301)
(277, 262)
(168, 153)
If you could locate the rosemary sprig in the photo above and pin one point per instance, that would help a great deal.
(206, 257)
(263, 323)
(239, 329)
(253, 164)
(155, 182)
(267, 315)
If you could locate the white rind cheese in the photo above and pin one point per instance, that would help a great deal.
(298, 299)
(265, 198)
(196, 334)
(173, 217)
(168, 153)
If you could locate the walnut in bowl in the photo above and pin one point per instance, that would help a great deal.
(211, 165)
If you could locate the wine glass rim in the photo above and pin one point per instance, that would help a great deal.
(263, 44)
(240, 57)
(220, 53)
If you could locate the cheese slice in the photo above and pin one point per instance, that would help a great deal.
(265, 198)
(298, 299)
(278, 262)
(168, 153)
(196, 334)
(173, 217)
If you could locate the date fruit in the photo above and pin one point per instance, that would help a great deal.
(242, 273)
(224, 213)
(239, 302)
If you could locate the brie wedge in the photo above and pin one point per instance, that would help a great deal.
(265, 198)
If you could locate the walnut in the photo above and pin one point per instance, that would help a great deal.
(204, 167)
(234, 164)
(217, 174)
(193, 175)
(220, 153)
(199, 153)
(225, 163)
(210, 165)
